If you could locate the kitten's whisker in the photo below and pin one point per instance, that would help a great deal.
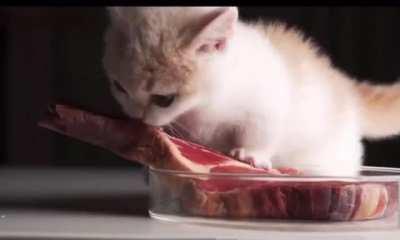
(181, 127)
(170, 129)
(177, 130)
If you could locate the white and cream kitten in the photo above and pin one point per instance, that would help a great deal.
(259, 92)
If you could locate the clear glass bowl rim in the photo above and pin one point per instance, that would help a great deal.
(383, 174)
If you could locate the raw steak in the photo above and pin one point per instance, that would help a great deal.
(264, 194)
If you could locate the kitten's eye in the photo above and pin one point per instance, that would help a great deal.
(119, 87)
(163, 101)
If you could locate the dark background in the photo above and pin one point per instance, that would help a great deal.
(54, 54)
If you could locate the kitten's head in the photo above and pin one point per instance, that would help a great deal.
(162, 62)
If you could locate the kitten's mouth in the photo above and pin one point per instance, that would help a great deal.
(155, 122)
(155, 125)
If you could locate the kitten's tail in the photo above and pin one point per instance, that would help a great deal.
(380, 109)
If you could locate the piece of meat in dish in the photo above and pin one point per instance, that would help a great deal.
(272, 193)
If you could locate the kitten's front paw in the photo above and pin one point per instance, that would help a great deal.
(255, 158)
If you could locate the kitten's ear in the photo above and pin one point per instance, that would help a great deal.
(118, 17)
(115, 12)
(214, 31)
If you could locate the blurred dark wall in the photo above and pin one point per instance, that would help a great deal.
(53, 54)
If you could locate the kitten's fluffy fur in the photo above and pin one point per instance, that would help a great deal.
(260, 92)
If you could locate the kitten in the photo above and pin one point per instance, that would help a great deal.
(260, 92)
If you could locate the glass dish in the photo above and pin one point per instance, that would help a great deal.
(254, 200)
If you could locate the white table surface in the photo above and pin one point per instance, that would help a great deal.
(72, 203)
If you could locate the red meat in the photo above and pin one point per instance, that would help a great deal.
(227, 197)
